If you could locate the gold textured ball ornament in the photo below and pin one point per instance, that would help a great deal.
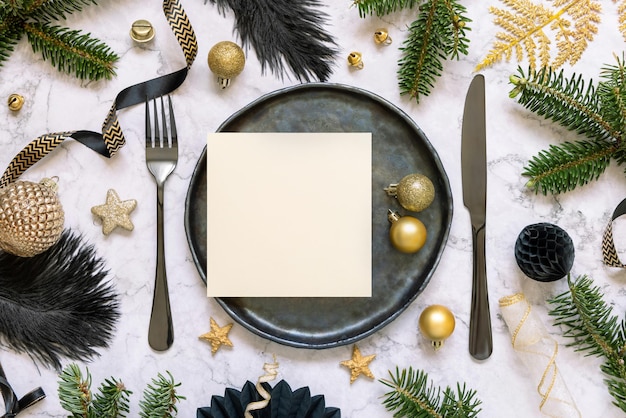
(414, 192)
(407, 234)
(437, 324)
(31, 217)
(226, 60)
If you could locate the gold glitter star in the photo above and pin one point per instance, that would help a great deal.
(115, 212)
(218, 336)
(359, 364)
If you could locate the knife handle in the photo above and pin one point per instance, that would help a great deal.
(480, 341)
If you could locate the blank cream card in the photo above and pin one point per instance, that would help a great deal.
(289, 214)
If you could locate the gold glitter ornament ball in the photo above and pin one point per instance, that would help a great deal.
(226, 60)
(437, 324)
(414, 192)
(31, 217)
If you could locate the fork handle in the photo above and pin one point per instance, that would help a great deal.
(161, 329)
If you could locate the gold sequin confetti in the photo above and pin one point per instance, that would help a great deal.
(359, 364)
(115, 212)
(218, 336)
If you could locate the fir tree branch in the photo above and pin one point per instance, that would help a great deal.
(561, 168)
(75, 391)
(111, 399)
(565, 101)
(72, 51)
(383, 7)
(160, 398)
(413, 396)
(437, 34)
(45, 11)
(589, 322)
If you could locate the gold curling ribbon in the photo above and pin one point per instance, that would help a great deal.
(271, 371)
(538, 352)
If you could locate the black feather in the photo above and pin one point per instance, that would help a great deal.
(57, 304)
(285, 33)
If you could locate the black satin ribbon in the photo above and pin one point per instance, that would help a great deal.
(13, 405)
(609, 252)
(111, 139)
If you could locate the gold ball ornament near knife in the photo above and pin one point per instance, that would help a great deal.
(226, 60)
(436, 323)
(407, 234)
(415, 192)
(31, 217)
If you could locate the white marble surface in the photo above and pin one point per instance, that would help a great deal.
(55, 102)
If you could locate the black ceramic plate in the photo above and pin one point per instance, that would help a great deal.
(399, 148)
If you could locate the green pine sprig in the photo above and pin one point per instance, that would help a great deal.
(383, 7)
(70, 51)
(413, 396)
(589, 322)
(160, 398)
(596, 112)
(112, 398)
(438, 34)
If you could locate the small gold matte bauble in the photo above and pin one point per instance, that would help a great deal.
(15, 102)
(437, 324)
(414, 192)
(31, 217)
(226, 60)
(407, 234)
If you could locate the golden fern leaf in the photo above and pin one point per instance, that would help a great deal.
(531, 28)
(621, 12)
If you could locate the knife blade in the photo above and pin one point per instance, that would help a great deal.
(474, 178)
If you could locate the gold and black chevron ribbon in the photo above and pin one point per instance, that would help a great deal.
(12, 404)
(111, 138)
(609, 252)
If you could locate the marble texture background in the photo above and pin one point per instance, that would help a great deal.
(55, 102)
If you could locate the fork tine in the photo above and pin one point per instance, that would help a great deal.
(174, 133)
(148, 127)
(166, 142)
(157, 134)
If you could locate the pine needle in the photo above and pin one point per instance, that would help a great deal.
(588, 321)
(596, 111)
(71, 51)
(414, 396)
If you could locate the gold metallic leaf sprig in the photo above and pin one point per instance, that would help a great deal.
(531, 29)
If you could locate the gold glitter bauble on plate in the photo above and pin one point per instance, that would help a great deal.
(226, 60)
(414, 192)
(31, 217)
(437, 323)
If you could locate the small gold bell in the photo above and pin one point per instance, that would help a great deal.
(381, 37)
(142, 31)
(15, 102)
(355, 60)
(226, 60)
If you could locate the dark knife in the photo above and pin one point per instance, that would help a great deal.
(474, 174)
